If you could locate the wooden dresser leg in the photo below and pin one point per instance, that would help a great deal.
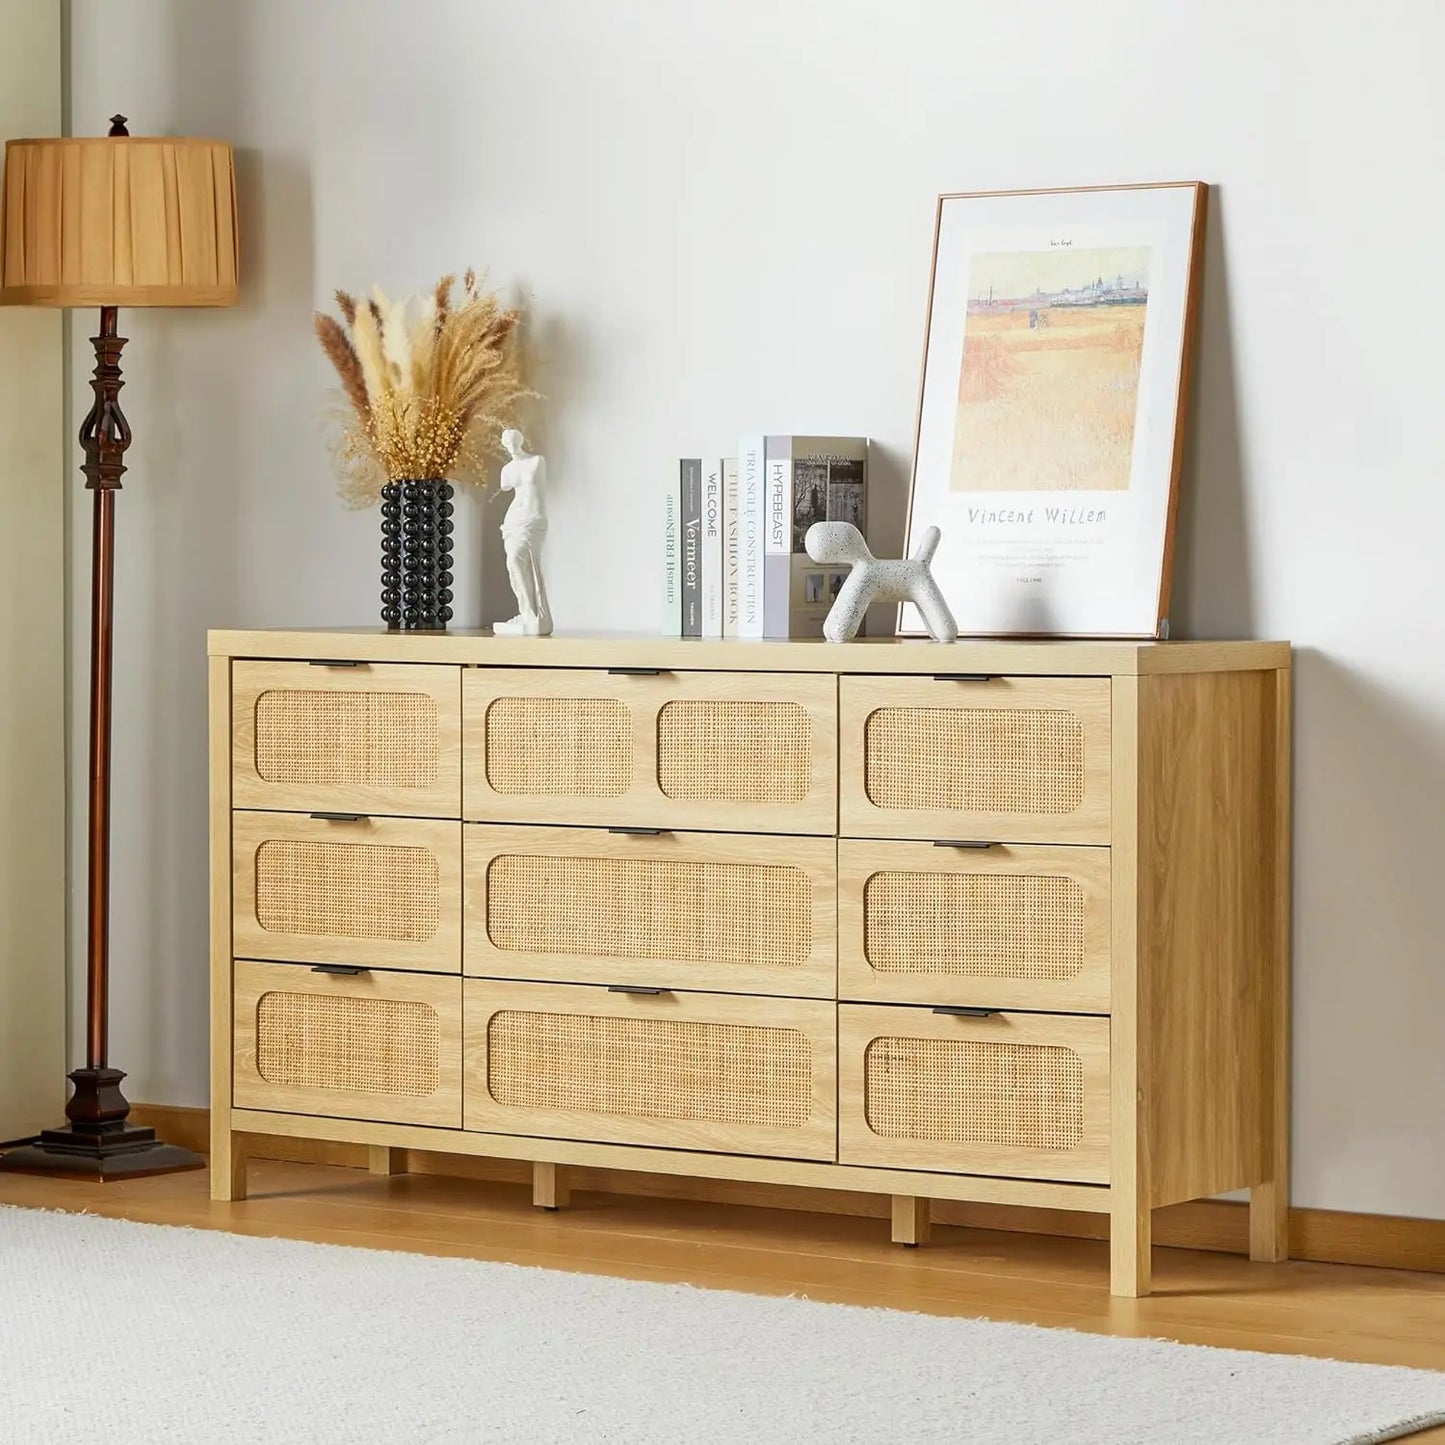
(1269, 1222)
(1269, 1202)
(1130, 1241)
(228, 1166)
(380, 1159)
(549, 1186)
(910, 1220)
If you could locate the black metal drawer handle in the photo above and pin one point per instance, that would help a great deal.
(640, 832)
(965, 677)
(637, 988)
(341, 970)
(637, 671)
(333, 662)
(958, 1011)
(963, 843)
(340, 817)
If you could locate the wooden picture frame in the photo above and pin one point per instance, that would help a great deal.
(1058, 350)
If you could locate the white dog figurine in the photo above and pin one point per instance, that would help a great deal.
(908, 579)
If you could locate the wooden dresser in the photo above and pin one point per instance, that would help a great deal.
(1000, 921)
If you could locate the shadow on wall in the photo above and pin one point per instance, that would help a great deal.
(1213, 595)
(556, 363)
(1369, 841)
(1370, 919)
(195, 444)
(889, 475)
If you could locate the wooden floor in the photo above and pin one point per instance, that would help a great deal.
(1381, 1316)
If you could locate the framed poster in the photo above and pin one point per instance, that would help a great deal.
(1051, 418)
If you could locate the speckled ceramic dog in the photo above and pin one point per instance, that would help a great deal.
(873, 579)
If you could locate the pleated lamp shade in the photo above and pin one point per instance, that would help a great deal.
(118, 221)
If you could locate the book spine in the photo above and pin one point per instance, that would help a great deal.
(752, 510)
(691, 487)
(778, 538)
(712, 548)
(731, 547)
(671, 572)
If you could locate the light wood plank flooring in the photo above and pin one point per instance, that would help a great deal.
(1382, 1316)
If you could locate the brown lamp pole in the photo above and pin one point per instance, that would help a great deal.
(165, 212)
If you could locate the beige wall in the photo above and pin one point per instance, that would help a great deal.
(32, 639)
(597, 156)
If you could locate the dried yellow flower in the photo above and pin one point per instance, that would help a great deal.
(431, 387)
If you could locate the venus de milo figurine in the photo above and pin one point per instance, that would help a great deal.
(523, 529)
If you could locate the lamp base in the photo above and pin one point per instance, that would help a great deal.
(98, 1144)
(125, 1156)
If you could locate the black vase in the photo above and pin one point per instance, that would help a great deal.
(416, 555)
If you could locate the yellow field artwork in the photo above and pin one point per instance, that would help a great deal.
(1049, 381)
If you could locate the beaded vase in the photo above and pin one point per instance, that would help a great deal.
(416, 555)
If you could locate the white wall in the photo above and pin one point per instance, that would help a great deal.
(597, 157)
(32, 636)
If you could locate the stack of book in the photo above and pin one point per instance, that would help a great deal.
(733, 561)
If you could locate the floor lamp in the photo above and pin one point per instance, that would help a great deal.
(118, 221)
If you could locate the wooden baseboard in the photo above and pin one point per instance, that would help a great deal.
(1329, 1236)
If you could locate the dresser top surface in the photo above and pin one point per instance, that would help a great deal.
(478, 647)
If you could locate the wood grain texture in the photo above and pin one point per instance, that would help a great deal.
(754, 1170)
(228, 1174)
(549, 1186)
(862, 1141)
(1324, 1236)
(814, 1136)
(438, 798)
(230, 1167)
(811, 859)
(910, 1220)
(1085, 990)
(1214, 739)
(1130, 1218)
(1207, 929)
(440, 840)
(1086, 699)
(478, 648)
(1269, 1212)
(382, 1160)
(190, 1128)
(640, 799)
(441, 1105)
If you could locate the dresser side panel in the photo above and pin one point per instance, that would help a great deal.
(1206, 932)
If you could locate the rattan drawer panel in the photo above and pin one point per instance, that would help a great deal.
(719, 1072)
(711, 911)
(372, 738)
(1013, 926)
(1004, 759)
(378, 891)
(370, 1045)
(1015, 1094)
(749, 752)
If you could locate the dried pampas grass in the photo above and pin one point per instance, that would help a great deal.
(430, 385)
(342, 354)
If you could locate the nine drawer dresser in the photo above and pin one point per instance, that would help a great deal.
(1004, 922)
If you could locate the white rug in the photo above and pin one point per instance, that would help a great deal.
(193, 1335)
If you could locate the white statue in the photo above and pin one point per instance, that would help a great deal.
(874, 579)
(523, 528)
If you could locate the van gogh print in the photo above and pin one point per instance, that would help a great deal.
(1049, 381)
